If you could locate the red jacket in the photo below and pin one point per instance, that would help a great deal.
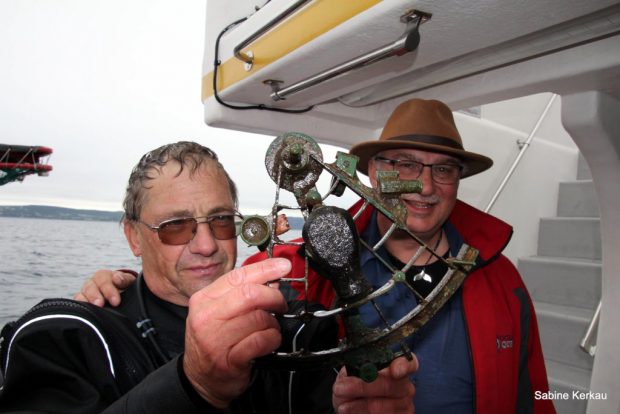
(501, 323)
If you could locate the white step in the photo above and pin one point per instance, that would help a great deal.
(578, 199)
(561, 330)
(565, 284)
(566, 379)
(570, 237)
(562, 281)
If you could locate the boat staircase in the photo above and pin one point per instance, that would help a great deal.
(564, 280)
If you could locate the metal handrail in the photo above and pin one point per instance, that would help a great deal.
(517, 160)
(408, 42)
(248, 59)
(588, 343)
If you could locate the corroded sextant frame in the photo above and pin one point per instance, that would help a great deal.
(294, 161)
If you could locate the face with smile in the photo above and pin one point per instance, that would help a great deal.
(428, 210)
(171, 272)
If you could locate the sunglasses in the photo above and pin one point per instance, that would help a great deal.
(182, 230)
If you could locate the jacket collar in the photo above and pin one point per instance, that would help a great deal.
(486, 233)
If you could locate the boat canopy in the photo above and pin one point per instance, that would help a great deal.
(349, 63)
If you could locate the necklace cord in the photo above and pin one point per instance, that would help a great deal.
(434, 248)
(422, 275)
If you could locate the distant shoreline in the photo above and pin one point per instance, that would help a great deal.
(59, 213)
(63, 213)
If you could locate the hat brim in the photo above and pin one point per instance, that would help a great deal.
(472, 163)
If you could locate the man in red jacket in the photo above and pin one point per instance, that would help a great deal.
(481, 352)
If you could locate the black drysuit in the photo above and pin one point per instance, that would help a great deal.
(70, 357)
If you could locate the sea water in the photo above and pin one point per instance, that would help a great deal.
(43, 258)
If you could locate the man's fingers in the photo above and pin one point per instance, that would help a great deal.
(240, 301)
(244, 325)
(384, 385)
(392, 382)
(110, 292)
(79, 297)
(391, 392)
(403, 367)
(90, 293)
(122, 280)
(256, 273)
(229, 325)
(377, 406)
(253, 346)
(105, 285)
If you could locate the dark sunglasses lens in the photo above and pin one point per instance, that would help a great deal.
(177, 232)
(223, 227)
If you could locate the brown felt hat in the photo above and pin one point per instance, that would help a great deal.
(422, 125)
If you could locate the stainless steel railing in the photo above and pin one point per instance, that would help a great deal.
(524, 146)
(407, 43)
(588, 343)
(247, 57)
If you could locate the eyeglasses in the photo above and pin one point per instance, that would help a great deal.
(444, 173)
(182, 230)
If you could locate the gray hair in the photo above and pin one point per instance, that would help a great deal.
(187, 154)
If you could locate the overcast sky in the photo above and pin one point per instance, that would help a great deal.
(102, 82)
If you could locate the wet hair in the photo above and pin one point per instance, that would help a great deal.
(187, 154)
